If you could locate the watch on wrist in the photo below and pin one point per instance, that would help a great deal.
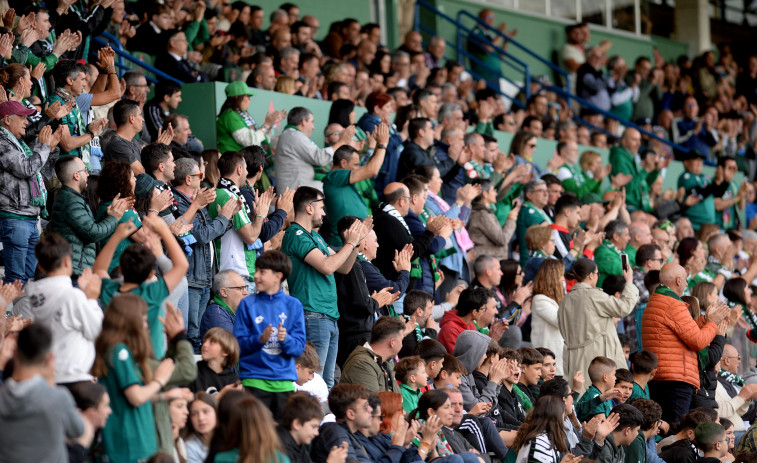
(380, 147)
(91, 134)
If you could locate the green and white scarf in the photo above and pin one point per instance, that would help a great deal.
(81, 127)
(36, 184)
(732, 378)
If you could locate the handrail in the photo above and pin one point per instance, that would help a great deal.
(121, 53)
(518, 45)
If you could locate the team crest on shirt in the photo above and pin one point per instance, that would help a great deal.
(259, 319)
(530, 211)
(686, 176)
(123, 355)
(282, 317)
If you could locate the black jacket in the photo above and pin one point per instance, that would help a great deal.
(411, 157)
(208, 379)
(296, 453)
(393, 236)
(179, 69)
(708, 377)
(411, 340)
(357, 311)
(681, 451)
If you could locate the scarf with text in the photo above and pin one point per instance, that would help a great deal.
(226, 184)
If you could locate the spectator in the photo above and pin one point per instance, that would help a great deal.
(591, 84)
(173, 60)
(229, 288)
(608, 254)
(166, 100)
(667, 322)
(586, 316)
(154, 33)
(369, 365)
(532, 213)
(313, 266)
(73, 219)
(548, 294)
(32, 409)
(415, 152)
(220, 355)
(476, 309)
(122, 146)
(251, 433)
(698, 134)
(349, 404)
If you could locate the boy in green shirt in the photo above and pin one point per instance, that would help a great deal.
(597, 400)
(636, 452)
(138, 266)
(410, 372)
(644, 367)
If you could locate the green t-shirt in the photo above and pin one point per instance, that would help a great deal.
(233, 253)
(591, 404)
(638, 392)
(341, 199)
(529, 215)
(704, 211)
(154, 294)
(316, 291)
(410, 397)
(129, 434)
(229, 122)
(102, 212)
(637, 451)
(607, 258)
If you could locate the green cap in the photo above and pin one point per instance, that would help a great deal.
(237, 89)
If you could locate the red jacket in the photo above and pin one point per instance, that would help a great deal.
(450, 328)
(668, 330)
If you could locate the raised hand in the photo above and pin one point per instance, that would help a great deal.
(180, 227)
(285, 201)
(204, 197)
(90, 283)
(164, 371)
(162, 201)
(173, 323)
(165, 137)
(9, 18)
(608, 425)
(402, 258)
(230, 208)
(26, 21)
(383, 297)
(125, 229)
(578, 381)
(267, 333)
(281, 333)
(338, 454)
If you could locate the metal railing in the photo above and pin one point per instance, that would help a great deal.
(526, 86)
(108, 39)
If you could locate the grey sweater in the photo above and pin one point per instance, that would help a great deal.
(36, 419)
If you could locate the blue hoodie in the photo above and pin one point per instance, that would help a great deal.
(274, 360)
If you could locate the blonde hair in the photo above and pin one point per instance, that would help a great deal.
(588, 158)
(701, 291)
(549, 280)
(537, 236)
(284, 84)
(229, 344)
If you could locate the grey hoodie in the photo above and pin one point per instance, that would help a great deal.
(470, 349)
(35, 419)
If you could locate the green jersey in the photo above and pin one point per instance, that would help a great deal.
(529, 215)
(341, 199)
(316, 291)
(704, 211)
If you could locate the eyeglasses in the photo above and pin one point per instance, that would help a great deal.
(380, 417)
(333, 134)
(736, 357)
(240, 288)
(199, 175)
(314, 201)
(81, 170)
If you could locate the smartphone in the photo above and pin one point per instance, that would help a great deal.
(624, 261)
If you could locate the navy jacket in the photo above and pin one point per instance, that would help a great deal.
(273, 222)
(426, 282)
(380, 449)
(216, 316)
(411, 157)
(332, 435)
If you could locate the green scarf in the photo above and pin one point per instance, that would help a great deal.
(81, 127)
(665, 291)
(527, 405)
(732, 378)
(217, 299)
(36, 183)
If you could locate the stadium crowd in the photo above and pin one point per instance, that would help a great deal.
(410, 291)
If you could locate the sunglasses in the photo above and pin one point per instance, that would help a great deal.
(199, 175)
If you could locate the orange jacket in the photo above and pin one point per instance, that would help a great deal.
(668, 330)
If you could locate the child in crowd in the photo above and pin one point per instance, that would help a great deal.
(730, 435)
(597, 400)
(410, 373)
(203, 420)
(492, 356)
(644, 367)
(93, 403)
(220, 353)
(625, 343)
(451, 373)
(680, 447)
(710, 439)
(528, 383)
(510, 399)
(267, 365)
(138, 267)
(308, 380)
(548, 365)
(432, 352)
(300, 421)
(624, 383)
(643, 448)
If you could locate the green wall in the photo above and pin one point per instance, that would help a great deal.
(197, 98)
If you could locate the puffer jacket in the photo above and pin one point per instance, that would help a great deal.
(73, 220)
(16, 170)
(668, 330)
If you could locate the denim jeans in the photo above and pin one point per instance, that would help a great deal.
(198, 301)
(19, 237)
(323, 332)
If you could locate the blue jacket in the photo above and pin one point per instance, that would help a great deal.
(216, 316)
(451, 172)
(273, 360)
(458, 261)
(204, 230)
(426, 282)
(380, 449)
(273, 222)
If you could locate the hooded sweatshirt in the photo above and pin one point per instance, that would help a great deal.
(32, 412)
(450, 328)
(470, 349)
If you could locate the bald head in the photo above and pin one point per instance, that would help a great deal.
(640, 234)
(673, 276)
(631, 140)
(730, 360)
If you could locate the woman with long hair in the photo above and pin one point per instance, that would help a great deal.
(122, 353)
(203, 419)
(391, 405)
(212, 174)
(434, 411)
(541, 437)
(706, 293)
(251, 435)
(121, 183)
(586, 318)
(235, 126)
(693, 257)
(738, 293)
(178, 413)
(523, 147)
(548, 293)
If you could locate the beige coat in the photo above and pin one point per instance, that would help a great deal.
(586, 323)
(484, 230)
